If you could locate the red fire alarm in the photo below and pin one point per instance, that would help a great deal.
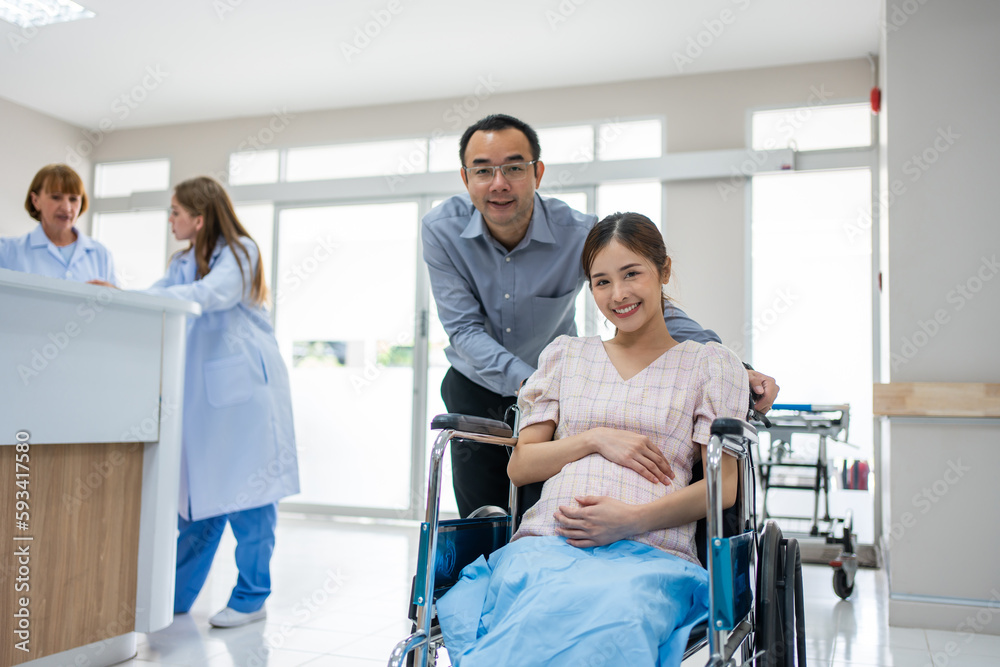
(876, 99)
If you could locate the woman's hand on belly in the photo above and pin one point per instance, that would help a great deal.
(634, 451)
(596, 521)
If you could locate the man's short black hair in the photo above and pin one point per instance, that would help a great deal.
(499, 121)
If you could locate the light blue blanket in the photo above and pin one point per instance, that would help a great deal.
(540, 601)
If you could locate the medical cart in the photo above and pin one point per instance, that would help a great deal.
(781, 468)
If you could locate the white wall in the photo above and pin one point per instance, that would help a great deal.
(30, 141)
(943, 139)
(704, 230)
(943, 147)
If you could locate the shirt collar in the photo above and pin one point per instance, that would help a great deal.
(84, 241)
(188, 255)
(538, 227)
(38, 239)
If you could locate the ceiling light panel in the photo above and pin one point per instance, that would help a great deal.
(36, 13)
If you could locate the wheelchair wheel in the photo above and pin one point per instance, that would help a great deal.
(411, 657)
(488, 512)
(770, 637)
(840, 585)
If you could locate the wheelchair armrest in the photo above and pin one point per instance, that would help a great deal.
(469, 424)
(734, 435)
(732, 426)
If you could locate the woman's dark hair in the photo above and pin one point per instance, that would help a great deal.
(635, 232)
(494, 123)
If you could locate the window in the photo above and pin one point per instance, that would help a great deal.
(137, 241)
(254, 167)
(813, 127)
(644, 197)
(373, 158)
(570, 144)
(258, 219)
(811, 321)
(345, 325)
(567, 145)
(443, 154)
(627, 140)
(437, 366)
(121, 179)
(811, 325)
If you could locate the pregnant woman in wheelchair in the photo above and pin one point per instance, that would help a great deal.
(603, 569)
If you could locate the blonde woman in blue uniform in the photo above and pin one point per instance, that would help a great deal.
(238, 454)
(56, 248)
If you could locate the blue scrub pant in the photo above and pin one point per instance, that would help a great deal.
(196, 546)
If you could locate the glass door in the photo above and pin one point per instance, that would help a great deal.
(345, 297)
(437, 366)
(812, 314)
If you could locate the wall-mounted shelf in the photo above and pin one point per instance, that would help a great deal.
(937, 399)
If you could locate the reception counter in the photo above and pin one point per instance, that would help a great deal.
(91, 383)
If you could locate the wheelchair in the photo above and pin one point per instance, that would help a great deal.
(755, 584)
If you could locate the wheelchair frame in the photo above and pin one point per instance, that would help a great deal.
(731, 608)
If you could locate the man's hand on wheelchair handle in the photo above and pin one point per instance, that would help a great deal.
(597, 521)
(765, 390)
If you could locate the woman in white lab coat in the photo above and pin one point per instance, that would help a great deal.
(238, 454)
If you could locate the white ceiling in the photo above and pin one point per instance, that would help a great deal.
(139, 63)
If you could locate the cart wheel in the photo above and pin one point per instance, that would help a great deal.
(840, 586)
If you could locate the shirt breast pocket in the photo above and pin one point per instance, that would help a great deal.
(548, 311)
(228, 381)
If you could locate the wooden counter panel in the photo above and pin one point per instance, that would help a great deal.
(83, 516)
(937, 399)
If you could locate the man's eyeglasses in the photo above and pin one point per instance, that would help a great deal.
(515, 171)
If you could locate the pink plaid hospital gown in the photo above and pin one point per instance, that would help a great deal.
(672, 401)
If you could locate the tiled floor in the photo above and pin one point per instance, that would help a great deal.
(340, 593)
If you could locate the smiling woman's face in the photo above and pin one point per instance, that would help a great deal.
(627, 287)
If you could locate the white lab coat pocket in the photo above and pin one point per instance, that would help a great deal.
(228, 381)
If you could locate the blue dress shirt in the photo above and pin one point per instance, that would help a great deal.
(35, 253)
(500, 308)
